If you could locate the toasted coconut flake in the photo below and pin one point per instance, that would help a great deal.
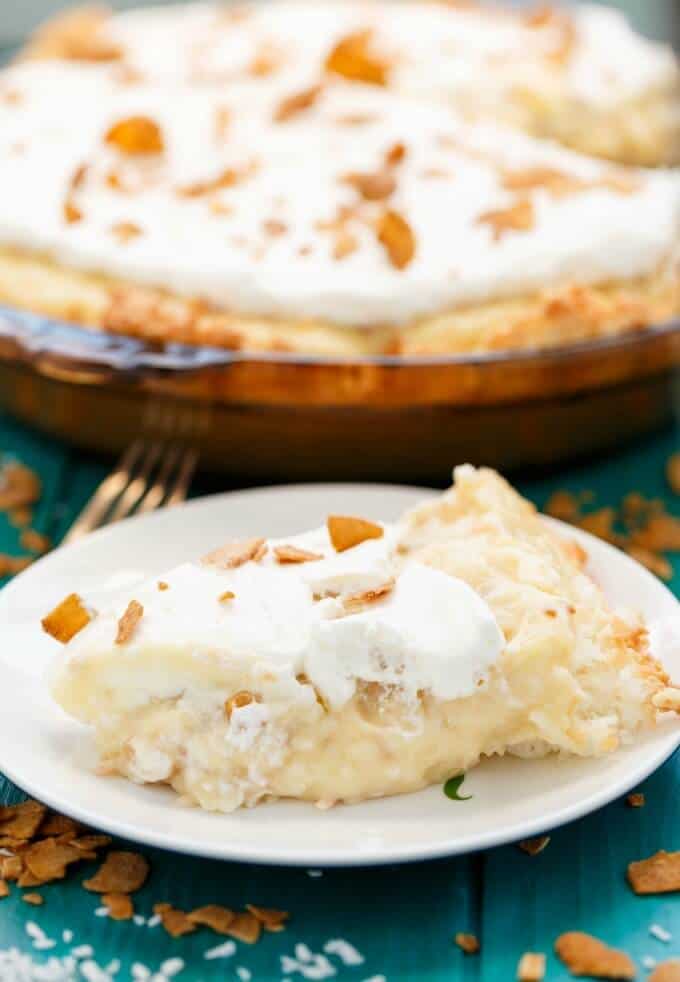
(227, 595)
(21, 821)
(373, 187)
(356, 119)
(636, 800)
(162, 586)
(129, 621)
(531, 967)
(346, 531)
(4, 889)
(35, 899)
(34, 541)
(265, 62)
(223, 118)
(563, 505)
(274, 227)
(119, 905)
(534, 846)
(72, 213)
(270, 918)
(585, 955)
(48, 859)
(136, 135)
(661, 532)
(90, 843)
(19, 487)
(239, 700)
(518, 217)
(11, 867)
(125, 232)
(27, 879)
(121, 872)
(667, 700)
(245, 927)
(673, 472)
(235, 553)
(558, 183)
(395, 155)
(352, 58)
(297, 103)
(344, 244)
(67, 619)
(397, 238)
(469, 943)
(600, 523)
(175, 922)
(59, 825)
(228, 178)
(354, 602)
(659, 873)
(11, 565)
(292, 554)
(20, 517)
(214, 916)
(666, 972)
(547, 16)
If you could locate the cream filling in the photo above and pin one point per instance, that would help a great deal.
(430, 633)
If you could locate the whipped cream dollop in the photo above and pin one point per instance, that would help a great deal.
(429, 631)
(262, 216)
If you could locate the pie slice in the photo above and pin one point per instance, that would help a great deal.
(360, 660)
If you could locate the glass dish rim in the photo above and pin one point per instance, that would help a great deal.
(41, 334)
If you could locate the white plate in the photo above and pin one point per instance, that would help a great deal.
(49, 755)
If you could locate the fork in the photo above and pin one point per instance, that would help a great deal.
(148, 476)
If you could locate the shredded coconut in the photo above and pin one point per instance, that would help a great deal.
(308, 964)
(225, 950)
(660, 933)
(345, 951)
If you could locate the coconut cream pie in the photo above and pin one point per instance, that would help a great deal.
(338, 179)
(577, 74)
(359, 660)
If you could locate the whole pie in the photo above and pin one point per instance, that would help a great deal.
(360, 660)
(343, 179)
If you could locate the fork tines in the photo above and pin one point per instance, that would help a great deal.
(148, 476)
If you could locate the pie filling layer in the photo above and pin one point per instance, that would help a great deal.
(334, 667)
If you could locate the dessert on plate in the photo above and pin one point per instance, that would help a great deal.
(360, 660)
(341, 180)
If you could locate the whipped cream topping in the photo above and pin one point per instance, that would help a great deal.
(287, 234)
(431, 632)
(466, 54)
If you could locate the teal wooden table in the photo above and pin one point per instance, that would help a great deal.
(401, 920)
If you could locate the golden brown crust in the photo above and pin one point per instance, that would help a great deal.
(546, 319)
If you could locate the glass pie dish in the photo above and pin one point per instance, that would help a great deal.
(289, 417)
